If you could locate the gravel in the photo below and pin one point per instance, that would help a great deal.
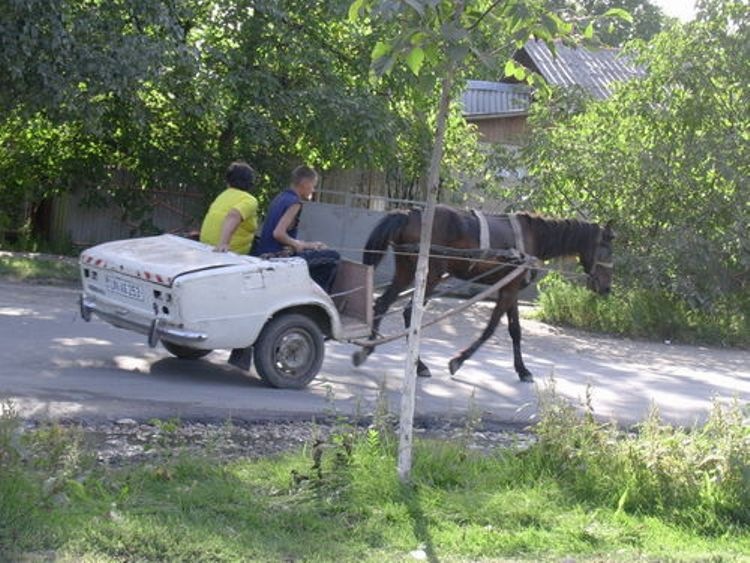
(127, 440)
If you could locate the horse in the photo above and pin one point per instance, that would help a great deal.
(539, 236)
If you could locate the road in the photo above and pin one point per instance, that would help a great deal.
(54, 365)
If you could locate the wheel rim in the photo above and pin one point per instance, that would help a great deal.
(294, 353)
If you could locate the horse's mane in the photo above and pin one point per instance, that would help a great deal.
(559, 237)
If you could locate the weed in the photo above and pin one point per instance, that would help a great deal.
(170, 441)
(383, 420)
(472, 422)
(698, 477)
(21, 494)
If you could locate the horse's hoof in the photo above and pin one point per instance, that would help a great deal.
(359, 357)
(423, 371)
(526, 376)
(454, 365)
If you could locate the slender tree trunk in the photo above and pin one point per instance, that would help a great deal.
(408, 391)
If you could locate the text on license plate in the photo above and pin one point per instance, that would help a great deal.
(124, 288)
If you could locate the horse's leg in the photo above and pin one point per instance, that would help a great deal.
(514, 328)
(433, 278)
(457, 361)
(382, 304)
(401, 281)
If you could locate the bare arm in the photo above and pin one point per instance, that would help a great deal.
(282, 236)
(230, 224)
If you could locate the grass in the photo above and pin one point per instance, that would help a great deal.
(38, 268)
(585, 489)
(646, 314)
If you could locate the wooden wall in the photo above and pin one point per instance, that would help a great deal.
(502, 130)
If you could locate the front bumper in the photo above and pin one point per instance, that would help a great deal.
(156, 329)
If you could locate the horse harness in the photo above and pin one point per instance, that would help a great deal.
(484, 236)
(608, 265)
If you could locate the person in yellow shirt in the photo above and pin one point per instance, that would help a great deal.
(232, 218)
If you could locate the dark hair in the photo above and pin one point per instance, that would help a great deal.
(303, 172)
(240, 175)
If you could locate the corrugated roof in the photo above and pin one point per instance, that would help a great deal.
(593, 70)
(483, 99)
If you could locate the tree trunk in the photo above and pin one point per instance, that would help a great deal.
(408, 391)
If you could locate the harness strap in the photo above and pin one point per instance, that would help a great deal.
(515, 224)
(484, 229)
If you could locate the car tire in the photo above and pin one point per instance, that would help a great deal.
(184, 352)
(289, 351)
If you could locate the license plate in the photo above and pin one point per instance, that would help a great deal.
(124, 288)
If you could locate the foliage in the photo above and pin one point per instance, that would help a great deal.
(119, 99)
(666, 157)
(647, 19)
(699, 478)
(19, 492)
(646, 313)
(46, 268)
(584, 489)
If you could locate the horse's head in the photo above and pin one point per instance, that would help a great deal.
(597, 262)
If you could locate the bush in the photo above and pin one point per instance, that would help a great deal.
(646, 313)
(698, 477)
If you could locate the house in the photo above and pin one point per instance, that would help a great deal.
(499, 109)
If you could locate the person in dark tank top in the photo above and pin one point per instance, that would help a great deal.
(280, 229)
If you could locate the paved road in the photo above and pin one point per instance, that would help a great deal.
(55, 365)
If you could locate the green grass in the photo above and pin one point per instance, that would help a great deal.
(646, 314)
(585, 490)
(41, 268)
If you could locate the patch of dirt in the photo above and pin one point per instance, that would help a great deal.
(127, 441)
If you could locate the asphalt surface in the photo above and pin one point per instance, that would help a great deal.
(55, 365)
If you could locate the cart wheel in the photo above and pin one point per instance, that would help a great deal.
(183, 352)
(289, 351)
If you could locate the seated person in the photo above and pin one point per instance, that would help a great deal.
(231, 221)
(279, 231)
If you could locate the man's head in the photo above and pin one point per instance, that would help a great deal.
(241, 176)
(304, 180)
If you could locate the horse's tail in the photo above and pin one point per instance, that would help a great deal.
(382, 235)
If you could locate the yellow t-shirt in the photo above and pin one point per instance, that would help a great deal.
(229, 199)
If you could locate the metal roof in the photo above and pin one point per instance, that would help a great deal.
(483, 99)
(593, 70)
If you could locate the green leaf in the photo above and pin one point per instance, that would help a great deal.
(417, 5)
(415, 59)
(588, 33)
(418, 38)
(380, 50)
(555, 24)
(354, 9)
(619, 13)
(515, 70)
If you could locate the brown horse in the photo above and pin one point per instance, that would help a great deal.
(542, 237)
